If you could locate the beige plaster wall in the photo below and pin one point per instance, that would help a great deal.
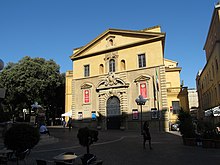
(68, 91)
(151, 50)
(129, 91)
(173, 79)
(132, 93)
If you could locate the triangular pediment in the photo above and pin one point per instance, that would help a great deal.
(86, 86)
(119, 39)
(142, 78)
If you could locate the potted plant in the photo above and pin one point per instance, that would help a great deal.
(208, 135)
(186, 128)
(21, 138)
(87, 137)
(217, 135)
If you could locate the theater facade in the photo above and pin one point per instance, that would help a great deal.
(112, 70)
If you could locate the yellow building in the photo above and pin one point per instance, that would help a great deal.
(112, 70)
(208, 79)
(176, 93)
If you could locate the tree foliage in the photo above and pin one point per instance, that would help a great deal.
(186, 125)
(31, 80)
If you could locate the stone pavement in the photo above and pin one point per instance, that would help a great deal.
(117, 147)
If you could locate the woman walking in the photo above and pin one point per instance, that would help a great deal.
(146, 134)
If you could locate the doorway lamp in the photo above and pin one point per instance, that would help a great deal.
(141, 101)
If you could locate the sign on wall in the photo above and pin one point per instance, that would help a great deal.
(143, 89)
(93, 115)
(86, 96)
(32, 119)
(135, 114)
(154, 113)
(80, 115)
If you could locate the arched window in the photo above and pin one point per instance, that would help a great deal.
(101, 69)
(112, 65)
(111, 42)
(123, 67)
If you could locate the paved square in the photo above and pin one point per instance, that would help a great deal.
(117, 147)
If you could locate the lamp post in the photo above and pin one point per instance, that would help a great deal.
(1, 64)
(141, 101)
(2, 90)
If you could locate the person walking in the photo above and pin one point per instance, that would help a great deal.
(69, 123)
(146, 134)
(64, 122)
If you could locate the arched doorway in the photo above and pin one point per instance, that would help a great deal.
(113, 113)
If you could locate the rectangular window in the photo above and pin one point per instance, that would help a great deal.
(141, 60)
(86, 70)
(176, 107)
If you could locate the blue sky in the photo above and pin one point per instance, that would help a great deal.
(52, 28)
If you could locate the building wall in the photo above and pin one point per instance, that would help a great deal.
(151, 50)
(68, 91)
(213, 33)
(91, 94)
(208, 79)
(193, 98)
(175, 92)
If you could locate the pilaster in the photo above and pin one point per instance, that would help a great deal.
(73, 107)
(163, 87)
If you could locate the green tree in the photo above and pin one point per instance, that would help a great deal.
(31, 80)
(186, 125)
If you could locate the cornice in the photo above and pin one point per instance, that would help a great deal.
(150, 40)
(167, 69)
(116, 31)
(207, 62)
(215, 14)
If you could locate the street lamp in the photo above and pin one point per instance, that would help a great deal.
(2, 90)
(141, 101)
(1, 64)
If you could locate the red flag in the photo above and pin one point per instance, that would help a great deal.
(86, 96)
(143, 89)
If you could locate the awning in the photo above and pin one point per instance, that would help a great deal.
(213, 111)
(216, 111)
(208, 112)
(69, 113)
(36, 105)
